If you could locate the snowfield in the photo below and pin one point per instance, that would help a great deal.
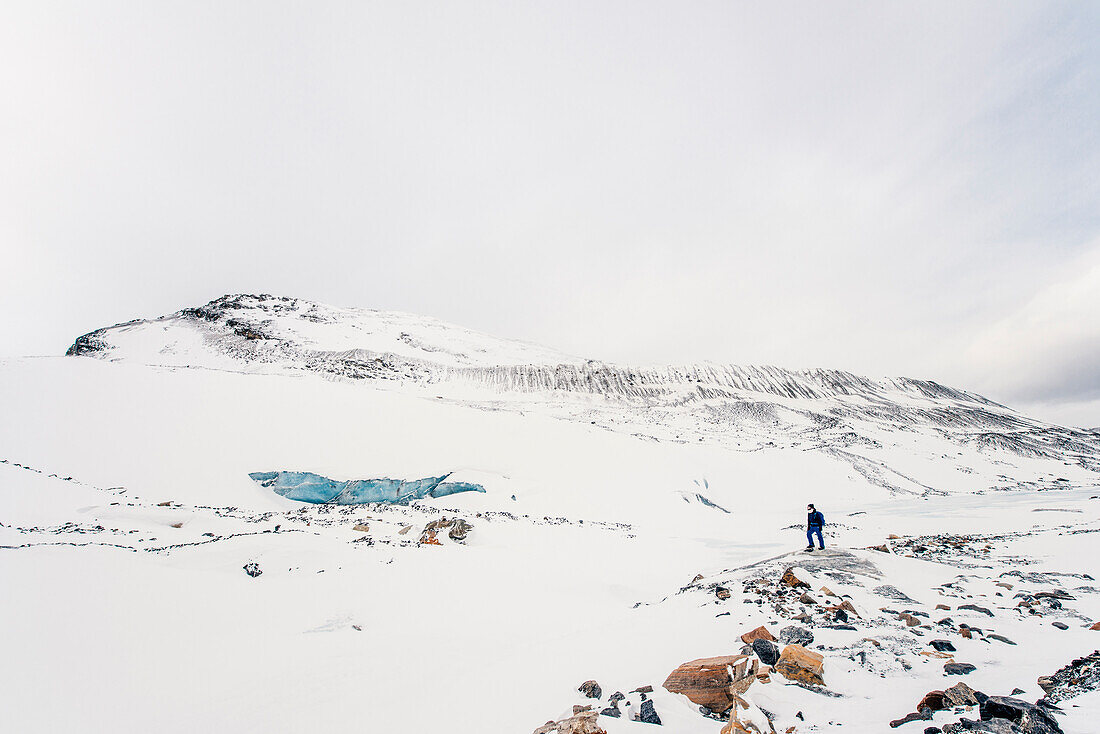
(633, 519)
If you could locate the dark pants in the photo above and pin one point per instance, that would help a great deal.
(810, 537)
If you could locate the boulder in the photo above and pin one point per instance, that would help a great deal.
(935, 700)
(909, 619)
(647, 714)
(722, 592)
(1029, 718)
(942, 645)
(707, 681)
(612, 711)
(766, 650)
(924, 715)
(591, 689)
(791, 579)
(961, 694)
(1095, 627)
(252, 569)
(976, 608)
(958, 668)
(801, 665)
(760, 633)
(797, 635)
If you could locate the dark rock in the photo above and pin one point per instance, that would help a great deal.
(797, 635)
(591, 689)
(1060, 625)
(766, 650)
(976, 608)
(252, 569)
(996, 726)
(648, 714)
(615, 698)
(1000, 638)
(840, 615)
(942, 645)
(961, 694)
(923, 716)
(722, 592)
(1029, 718)
(932, 730)
(459, 530)
(958, 668)
(934, 700)
(1016, 691)
(611, 711)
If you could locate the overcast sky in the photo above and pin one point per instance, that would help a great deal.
(891, 190)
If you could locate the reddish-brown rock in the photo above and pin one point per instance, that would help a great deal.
(428, 538)
(1095, 627)
(706, 681)
(790, 579)
(760, 633)
(583, 723)
(934, 700)
(802, 665)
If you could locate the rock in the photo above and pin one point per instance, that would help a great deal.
(976, 608)
(1060, 625)
(707, 681)
(580, 709)
(1000, 638)
(647, 714)
(439, 524)
(611, 711)
(923, 716)
(958, 668)
(591, 689)
(880, 548)
(405, 530)
(961, 694)
(909, 619)
(965, 631)
(252, 569)
(760, 633)
(934, 700)
(807, 599)
(932, 730)
(766, 650)
(697, 579)
(582, 723)
(797, 635)
(891, 536)
(801, 665)
(459, 530)
(1029, 718)
(615, 697)
(428, 538)
(841, 616)
(1095, 627)
(643, 689)
(997, 726)
(942, 645)
(790, 579)
(943, 606)
(362, 527)
(722, 592)
(177, 525)
(844, 606)
(1046, 683)
(1017, 692)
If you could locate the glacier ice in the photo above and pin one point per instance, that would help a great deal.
(309, 487)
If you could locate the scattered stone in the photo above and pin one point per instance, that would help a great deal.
(760, 633)
(1017, 692)
(617, 696)
(790, 579)
(722, 592)
(795, 634)
(909, 619)
(934, 700)
(252, 569)
(943, 606)
(611, 711)
(958, 668)
(807, 599)
(1060, 625)
(880, 548)
(707, 681)
(892, 536)
(643, 689)
(577, 709)
(1000, 638)
(802, 665)
(167, 503)
(591, 689)
(1095, 627)
(697, 579)
(976, 608)
(893, 592)
(405, 530)
(942, 645)
(923, 716)
(177, 525)
(362, 527)
(428, 538)
(766, 650)
(647, 714)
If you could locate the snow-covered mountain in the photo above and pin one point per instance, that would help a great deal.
(898, 433)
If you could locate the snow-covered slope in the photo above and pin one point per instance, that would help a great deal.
(632, 520)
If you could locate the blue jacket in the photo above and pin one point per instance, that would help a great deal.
(815, 519)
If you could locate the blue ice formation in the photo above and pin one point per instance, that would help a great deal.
(306, 486)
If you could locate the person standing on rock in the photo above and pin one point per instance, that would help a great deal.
(814, 522)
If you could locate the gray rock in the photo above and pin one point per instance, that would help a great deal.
(591, 689)
(1028, 718)
(648, 715)
(942, 645)
(976, 608)
(959, 668)
(252, 569)
(795, 635)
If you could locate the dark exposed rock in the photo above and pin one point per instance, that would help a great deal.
(958, 668)
(1000, 638)
(612, 711)
(1060, 625)
(647, 714)
(961, 694)
(976, 608)
(922, 716)
(252, 569)
(459, 530)
(934, 700)
(1029, 718)
(722, 592)
(766, 650)
(942, 645)
(591, 689)
(1080, 676)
